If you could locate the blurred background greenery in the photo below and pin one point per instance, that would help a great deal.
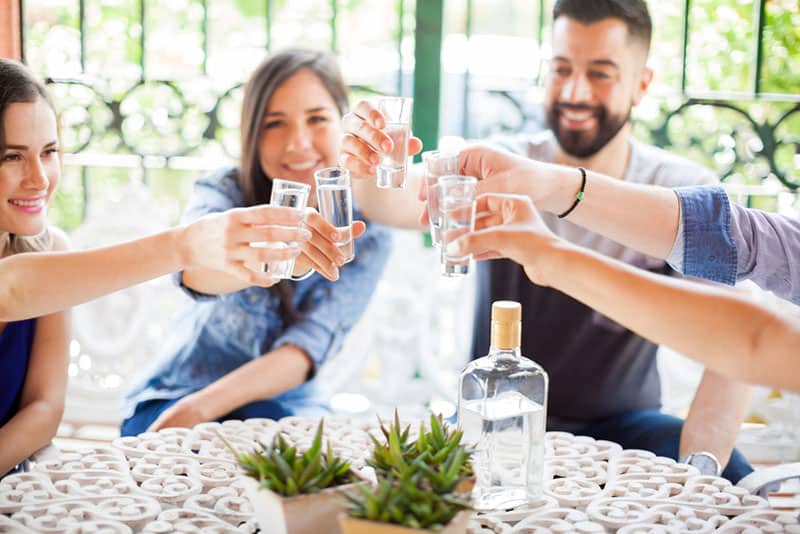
(149, 91)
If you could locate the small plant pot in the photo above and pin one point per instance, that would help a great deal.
(352, 525)
(302, 514)
(464, 487)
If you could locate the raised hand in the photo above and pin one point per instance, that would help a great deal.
(364, 141)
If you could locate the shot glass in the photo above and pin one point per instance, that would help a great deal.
(456, 194)
(437, 164)
(335, 203)
(291, 195)
(392, 169)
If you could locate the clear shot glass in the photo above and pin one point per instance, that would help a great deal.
(393, 167)
(292, 195)
(456, 194)
(437, 164)
(335, 204)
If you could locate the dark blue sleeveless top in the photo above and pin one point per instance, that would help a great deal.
(16, 341)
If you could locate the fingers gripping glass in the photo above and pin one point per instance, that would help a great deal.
(335, 202)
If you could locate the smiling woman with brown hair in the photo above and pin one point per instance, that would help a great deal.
(241, 351)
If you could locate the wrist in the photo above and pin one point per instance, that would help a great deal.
(563, 184)
(704, 461)
(179, 238)
(205, 404)
(551, 260)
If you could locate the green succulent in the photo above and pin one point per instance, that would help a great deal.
(283, 469)
(437, 451)
(416, 480)
(405, 501)
(396, 452)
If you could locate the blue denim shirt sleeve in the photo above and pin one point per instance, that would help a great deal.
(709, 251)
(214, 193)
(330, 309)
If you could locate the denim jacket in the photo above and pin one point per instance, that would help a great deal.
(722, 241)
(216, 334)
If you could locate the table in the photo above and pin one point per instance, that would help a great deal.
(187, 480)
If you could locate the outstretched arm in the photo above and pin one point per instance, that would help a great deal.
(719, 327)
(219, 241)
(641, 217)
(362, 145)
(720, 241)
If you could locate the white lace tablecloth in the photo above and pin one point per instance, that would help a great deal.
(186, 480)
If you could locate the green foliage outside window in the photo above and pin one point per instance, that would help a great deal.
(119, 52)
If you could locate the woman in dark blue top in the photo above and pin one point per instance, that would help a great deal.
(33, 352)
(16, 341)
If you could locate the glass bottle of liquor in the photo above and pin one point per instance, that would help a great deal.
(502, 409)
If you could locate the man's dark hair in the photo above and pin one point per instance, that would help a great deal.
(633, 13)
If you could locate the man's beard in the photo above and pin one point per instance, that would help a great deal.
(584, 143)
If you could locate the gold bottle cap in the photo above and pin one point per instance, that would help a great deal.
(506, 324)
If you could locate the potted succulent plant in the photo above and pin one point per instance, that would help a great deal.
(422, 485)
(438, 447)
(296, 492)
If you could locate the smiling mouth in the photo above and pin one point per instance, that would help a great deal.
(300, 167)
(577, 116)
(37, 203)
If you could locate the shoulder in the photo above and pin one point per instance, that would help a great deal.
(59, 239)
(218, 191)
(654, 165)
(224, 180)
(539, 145)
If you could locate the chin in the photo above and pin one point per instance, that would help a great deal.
(27, 229)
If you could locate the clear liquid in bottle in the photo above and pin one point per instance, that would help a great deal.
(503, 412)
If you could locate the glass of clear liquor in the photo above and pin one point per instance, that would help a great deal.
(437, 164)
(393, 167)
(456, 195)
(292, 195)
(502, 409)
(335, 203)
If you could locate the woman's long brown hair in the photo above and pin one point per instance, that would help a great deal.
(265, 80)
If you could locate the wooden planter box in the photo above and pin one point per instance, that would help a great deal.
(302, 514)
(351, 525)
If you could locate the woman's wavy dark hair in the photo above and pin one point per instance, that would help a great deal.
(19, 85)
(265, 80)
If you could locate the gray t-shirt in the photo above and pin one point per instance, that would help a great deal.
(597, 367)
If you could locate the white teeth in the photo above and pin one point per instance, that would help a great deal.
(28, 203)
(577, 115)
(301, 166)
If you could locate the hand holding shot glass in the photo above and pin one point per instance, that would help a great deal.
(335, 204)
(393, 167)
(291, 195)
(456, 196)
(437, 164)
